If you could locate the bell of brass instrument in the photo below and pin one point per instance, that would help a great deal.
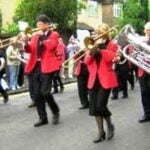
(27, 32)
(90, 44)
(133, 48)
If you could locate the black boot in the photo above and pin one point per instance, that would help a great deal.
(5, 95)
(32, 104)
(100, 138)
(110, 128)
(55, 119)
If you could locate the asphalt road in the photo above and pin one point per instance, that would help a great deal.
(76, 130)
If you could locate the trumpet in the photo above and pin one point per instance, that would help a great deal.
(90, 44)
(27, 32)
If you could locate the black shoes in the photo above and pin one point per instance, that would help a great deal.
(55, 119)
(100, 138)
(32, 105)
(114, 97)
(110, 133)
(41, 122)
(61, 89)
(55, 91)
(84, 107)
(125, 96)
(6, 100)
(144, 119)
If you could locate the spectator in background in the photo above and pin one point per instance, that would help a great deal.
(72, 48)
(13, 64)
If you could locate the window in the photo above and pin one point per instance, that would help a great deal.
(92, 8)
(117, 9)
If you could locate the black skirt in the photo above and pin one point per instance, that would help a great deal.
(99, 100)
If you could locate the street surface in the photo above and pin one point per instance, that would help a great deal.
(76, 130)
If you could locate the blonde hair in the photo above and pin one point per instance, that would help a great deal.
(102, 29)
(147, 26)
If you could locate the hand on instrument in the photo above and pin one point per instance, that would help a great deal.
(14, 39)
(40, 32)
(117, 57)
(95, 50)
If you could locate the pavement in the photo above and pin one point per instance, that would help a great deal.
(77, 129)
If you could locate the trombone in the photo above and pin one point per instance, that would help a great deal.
(90, 44)
(27, 32)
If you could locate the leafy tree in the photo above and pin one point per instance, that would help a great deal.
(63, 12)
(134, 14)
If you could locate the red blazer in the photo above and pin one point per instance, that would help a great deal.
(141, 72)
(48, 58)
(104, 70)
(78, 68)
(60, 53)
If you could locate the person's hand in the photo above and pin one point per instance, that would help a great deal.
(40, 32)
(14, 39)
(117, 57)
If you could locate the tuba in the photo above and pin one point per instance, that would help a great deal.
(133, 48)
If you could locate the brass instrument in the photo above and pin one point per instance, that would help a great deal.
(90, 44)
(133, 48)
(27, 32)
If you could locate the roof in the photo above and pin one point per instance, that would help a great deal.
(84, 26)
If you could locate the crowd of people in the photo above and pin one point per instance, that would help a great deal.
(96, 76)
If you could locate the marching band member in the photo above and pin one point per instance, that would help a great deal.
(144, 80)
(41, 65)
(81, 73)
(60, 55)
(101, 80)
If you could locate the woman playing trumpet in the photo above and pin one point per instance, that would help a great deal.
(101, 80)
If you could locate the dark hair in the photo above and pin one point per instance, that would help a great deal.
(43, 18)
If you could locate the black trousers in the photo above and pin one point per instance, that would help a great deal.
(57, 81)
(41, 89)
(30, 84)
(82, 89)
(145, 93)
(3, 92)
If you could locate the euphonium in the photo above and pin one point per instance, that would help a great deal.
(133, 48)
